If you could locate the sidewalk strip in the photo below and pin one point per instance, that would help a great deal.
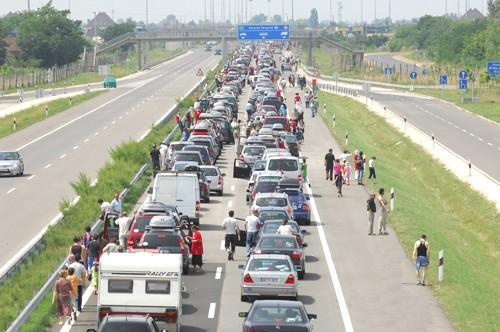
(344, 311)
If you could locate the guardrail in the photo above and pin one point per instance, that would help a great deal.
(48, 286)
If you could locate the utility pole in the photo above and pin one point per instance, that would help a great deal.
(282, 11)
(340, 11)
(458, 9)
(147, 13)
(95, 38)
(390, 10)
(331, 12)
(446, 8)
(293, 17)
(375, 10)
(204, 11)
(361, 10)
(29, 5)
(269, 11)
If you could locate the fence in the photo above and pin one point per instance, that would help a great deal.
(39, 240)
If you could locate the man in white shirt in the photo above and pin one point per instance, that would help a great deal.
(285, 229)
(230, 224)
(252, 225)
(123, 226)
(371, 168)
(105, 207)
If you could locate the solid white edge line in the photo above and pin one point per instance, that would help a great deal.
(211, 310)
(218, 272)
(48, 165)
(344, 311)
(62, 156)
(79, 118)
(85, 140)
(233, 187)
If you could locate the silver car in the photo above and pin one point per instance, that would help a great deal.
(251, 153)
(11, 163)
(216, 178)
(269, 276)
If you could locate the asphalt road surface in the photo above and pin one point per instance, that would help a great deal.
(389, 61)
(57, 150)
(354, 282)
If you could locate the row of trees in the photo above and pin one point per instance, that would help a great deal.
(446, 40)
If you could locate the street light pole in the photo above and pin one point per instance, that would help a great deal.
(269, 11)
(147, 13)
(29, 5)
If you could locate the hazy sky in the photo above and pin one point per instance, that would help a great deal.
(188, 10)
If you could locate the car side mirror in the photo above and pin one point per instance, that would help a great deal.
(150, 190)
(184, 289)
(307, 197)
(245, 314)
(312, 316)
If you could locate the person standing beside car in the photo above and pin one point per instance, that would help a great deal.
(196, 247)
(371, 207)
(230, 224)
(123, 226)
(252, 224)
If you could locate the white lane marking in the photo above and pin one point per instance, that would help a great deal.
(222, 245)
(120, 117)
(48, 165)
(11, 190)
(229, 204)
(211, 310)
(62, 156)
(472, 134)
(457, 127)
(31, 177)
(76, 147)
(233, 187)
(113, 122)
(463, 130)
(344, 311)
(479, 139)
(105, 127)
(85, 140)
(126, 113)
(490, 144)
(218, 272)
(96, 133)
(77, 118)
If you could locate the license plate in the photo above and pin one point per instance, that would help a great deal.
(269, 279)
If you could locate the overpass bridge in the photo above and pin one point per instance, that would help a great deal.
(217, 33)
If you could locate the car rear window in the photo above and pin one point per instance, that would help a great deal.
(9, 156)
(266, 187)
(287, 165)
(282, 121)
(209, 171)
(126, 327)
(279, 242)
(187, 157)
(270, 265)
(160, 239)
(272, 227)
(271, 215)
(271, 201)
(253, 150)
(141, 223)
(277, 315)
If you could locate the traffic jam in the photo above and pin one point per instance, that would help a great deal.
(141, 287)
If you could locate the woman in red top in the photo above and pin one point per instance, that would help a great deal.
(196, 247)
(62, 296)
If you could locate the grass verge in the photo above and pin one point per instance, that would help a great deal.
(433, 201)
(36, 114)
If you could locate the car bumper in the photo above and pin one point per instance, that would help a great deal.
(10, 171)
(216, 187)
(274, 291)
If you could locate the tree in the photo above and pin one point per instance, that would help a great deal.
(119, 29)
(50, 36)
(3, 44)
(494, 9)
(258, 19)
(313, 18)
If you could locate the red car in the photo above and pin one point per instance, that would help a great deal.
(278, 119)
(138, 227)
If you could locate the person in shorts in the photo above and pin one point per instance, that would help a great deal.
(421, 253)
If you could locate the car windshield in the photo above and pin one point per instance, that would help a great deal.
(266, 186)
(289, 139)
(8, 156)
(126, 327)
(278, 242)
(253, 150)
(269, 265)
(287, 165)
(209, 171)
(270, 215)
(277, 315)
(271, 201)
(160, 239)
(141, 223)
(272, 227)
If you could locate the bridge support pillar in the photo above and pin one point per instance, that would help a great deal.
(309, 50)
(139, 55)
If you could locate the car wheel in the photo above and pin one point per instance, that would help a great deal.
(220, 193)
(301, 274)
(244, 298)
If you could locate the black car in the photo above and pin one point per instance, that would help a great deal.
(277, 315)
(127, 324)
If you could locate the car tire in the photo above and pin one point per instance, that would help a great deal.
(301, 274)
(220, 192)
(244, 298)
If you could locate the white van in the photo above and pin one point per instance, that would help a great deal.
(287, 165)
(181, 189)
(142, 284)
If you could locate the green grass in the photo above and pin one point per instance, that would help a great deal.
(113, 177)
(433, 201)
(36, 114)
(489, 105)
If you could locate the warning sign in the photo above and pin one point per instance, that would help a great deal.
(200, 72)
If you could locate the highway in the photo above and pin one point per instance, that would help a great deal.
(353, 282)
(57, 150)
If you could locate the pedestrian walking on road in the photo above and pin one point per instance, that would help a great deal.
(252, 225)
(196, 247)
(93, 252)
(371, 207)
(384, 210)
(313, 105)
(155, 158)
(306, 99)
(338, 183)
(421, 254)
(94, 276)
(74, 280)
(371, 168)
(62, 296)
(77, 249)
(230, 224)
(356, 165)
(81, 273)
(86, 237)
(303, 171)
(361, 167)
(329, 158)
(347, 176)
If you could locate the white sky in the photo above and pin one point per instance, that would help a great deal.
(187, 10)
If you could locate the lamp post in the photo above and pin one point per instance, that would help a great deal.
(269, 11)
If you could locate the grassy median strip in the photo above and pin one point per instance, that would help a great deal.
(36, 114)
(431, 200)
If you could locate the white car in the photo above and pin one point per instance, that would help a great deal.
(11, 163)
(216, 178)
(251, 153)
(273, 200)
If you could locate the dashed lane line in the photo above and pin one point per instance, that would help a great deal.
(85, 140)
(211, 310)
(229, 204)
(233, 187)
(62, 156)
(48, 166)
(11, 190)
(222, 245)
(76, 147)
(31, 177)
(218, 272)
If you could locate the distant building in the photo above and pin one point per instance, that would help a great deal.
(12, 48)
(100, 22)
(473, 14)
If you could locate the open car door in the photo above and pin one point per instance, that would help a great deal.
(241, 169)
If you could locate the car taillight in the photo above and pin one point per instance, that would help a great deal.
(247, 279)
(103, 312)
(220, 179)
(197, 207)
(257, 252)
(299, 178)
(171, 315)
(296, 255)
(253, 195)
(290, 280)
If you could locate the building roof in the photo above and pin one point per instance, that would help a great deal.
(473, 14)
(101, 22)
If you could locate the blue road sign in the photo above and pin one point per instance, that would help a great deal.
(413, 75)
(463, 75)
(388, 70)
(264, 32)
(493, 67)
(462, 84)
(443, 80)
